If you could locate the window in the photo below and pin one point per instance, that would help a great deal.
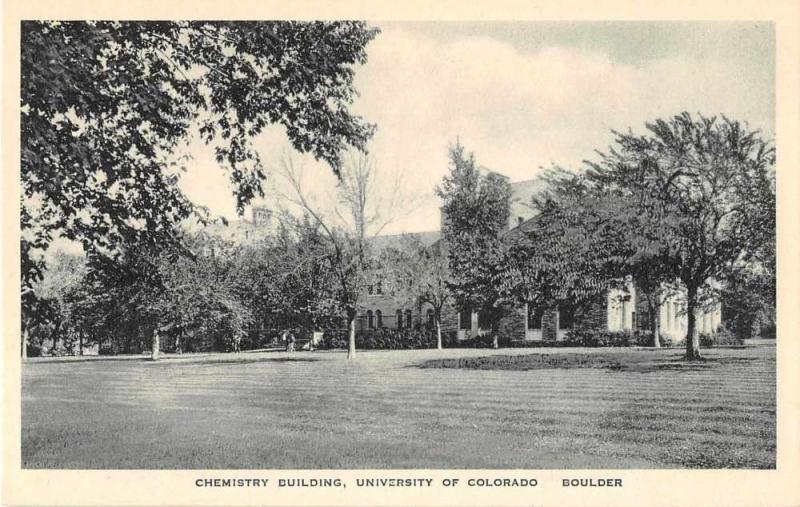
(408, 319)
(625, 308)
(370, 321)
(369, 289)
(483, 320)
(431, 319)
(399, 319)
(465, 319)
(642, 320)
(379, 287)
(535, 318)
(566, 318)
(379, 318)
(670, 314)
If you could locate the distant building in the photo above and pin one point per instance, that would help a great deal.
(242, 231)
(262, 216)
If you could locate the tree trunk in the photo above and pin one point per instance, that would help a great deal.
(156, 346)
(80, 343)
(692, 339)
(438, 334)
(655, 321)
(351, 341)
(25, 343)
(56, 330)
(657, 327)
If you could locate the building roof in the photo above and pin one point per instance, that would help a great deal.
(398, 241)
(521, 212)
(522, 193)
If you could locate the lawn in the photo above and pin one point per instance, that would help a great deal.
(512, 408)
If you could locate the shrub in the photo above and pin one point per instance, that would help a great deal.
(722, 337)
(599, 338)
(604, 338)
(666, 341)
(384, 338)
(405, 339)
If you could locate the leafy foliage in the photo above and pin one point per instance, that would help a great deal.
(476, 212)
(703, 190)
(421, 274)
(687, 205)
(106, 104)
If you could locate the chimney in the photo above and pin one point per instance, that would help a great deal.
(261, 216)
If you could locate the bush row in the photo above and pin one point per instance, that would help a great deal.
(398, 339)
(603, 338)
(388, 339)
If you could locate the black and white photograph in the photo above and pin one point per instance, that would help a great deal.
(347, 244)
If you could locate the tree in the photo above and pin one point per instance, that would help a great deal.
(106, 104)
(556, 257)
(704, 188)
(588, 239)
(144, 295)
(428, 270)
(58, 285)
(287, 279)
(476, 209)
(358, 215)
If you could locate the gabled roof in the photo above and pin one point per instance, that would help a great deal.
(522, 193)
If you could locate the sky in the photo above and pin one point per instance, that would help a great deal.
(522, 96)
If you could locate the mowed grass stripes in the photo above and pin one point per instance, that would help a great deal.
(317, 410)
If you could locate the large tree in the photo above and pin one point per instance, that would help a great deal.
(143, 294)
(704, 189)
(568, 252)
(586, 239)
(422, 274)
(287, 278)
(360, 212)
(106, 104)
(476, 209)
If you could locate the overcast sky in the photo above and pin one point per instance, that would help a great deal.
(524, 96)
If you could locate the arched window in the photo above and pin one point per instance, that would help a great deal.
(370, 322)
(399, 319)
(379, 318)
(408, 319)
(430, 314)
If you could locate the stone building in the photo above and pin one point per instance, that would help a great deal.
(382, 306)
(618, 310)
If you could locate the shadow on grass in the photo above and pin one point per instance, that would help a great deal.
(238, 360)
(84, 359)
(170, 358)
(641, 363)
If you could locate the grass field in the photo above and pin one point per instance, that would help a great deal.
(316, 410)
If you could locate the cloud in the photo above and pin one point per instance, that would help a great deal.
(519, 110)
